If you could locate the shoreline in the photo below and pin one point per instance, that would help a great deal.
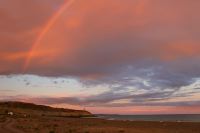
(153, 118)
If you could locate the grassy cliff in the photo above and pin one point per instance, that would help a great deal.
(30, 109)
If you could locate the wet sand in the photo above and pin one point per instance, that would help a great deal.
(91, 125)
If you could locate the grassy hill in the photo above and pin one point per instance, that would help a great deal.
(30, 109)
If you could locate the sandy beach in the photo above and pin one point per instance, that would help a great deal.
(91, 125)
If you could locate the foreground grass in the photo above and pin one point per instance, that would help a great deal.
(89, 125)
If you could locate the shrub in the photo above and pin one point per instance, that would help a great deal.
(51, 131)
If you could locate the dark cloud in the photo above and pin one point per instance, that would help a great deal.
(6, 90)
(109, 99)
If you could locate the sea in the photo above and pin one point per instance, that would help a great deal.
(160, 118)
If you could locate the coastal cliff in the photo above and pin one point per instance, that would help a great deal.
(30, 109)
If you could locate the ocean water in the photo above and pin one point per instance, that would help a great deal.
(173, 118)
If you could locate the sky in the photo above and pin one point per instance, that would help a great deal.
(105, 56)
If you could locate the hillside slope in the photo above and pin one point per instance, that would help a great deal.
(30, 109)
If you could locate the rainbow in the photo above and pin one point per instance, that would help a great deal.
(45, 30)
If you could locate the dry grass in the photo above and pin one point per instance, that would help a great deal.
(78, 125)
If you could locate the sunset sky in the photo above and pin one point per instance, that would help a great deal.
(107, 56)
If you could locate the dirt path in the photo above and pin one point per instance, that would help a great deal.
(7, 127)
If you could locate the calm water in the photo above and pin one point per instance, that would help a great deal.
(186, 118)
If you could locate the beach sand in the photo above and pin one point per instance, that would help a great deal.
(91, 125)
